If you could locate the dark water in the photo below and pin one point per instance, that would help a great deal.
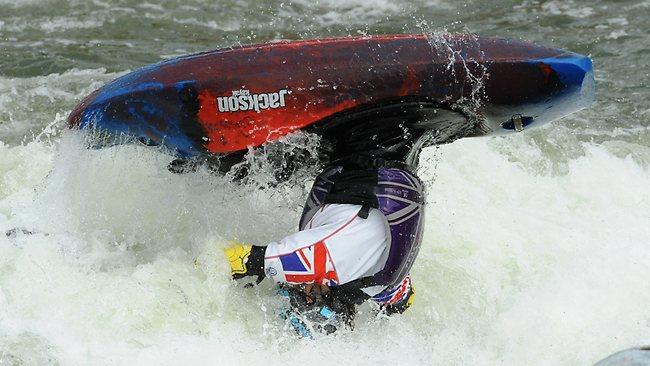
(40, 38)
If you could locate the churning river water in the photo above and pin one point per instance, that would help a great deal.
(537, 245)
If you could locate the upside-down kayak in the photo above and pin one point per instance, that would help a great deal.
(380, 95)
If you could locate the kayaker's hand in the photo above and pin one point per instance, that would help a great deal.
(245, 260)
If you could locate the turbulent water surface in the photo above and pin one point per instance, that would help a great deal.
(537, 246)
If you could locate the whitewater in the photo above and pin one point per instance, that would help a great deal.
(536, 249)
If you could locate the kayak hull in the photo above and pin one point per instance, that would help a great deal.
(226, 101)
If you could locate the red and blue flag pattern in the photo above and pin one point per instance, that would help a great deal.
(311, 264)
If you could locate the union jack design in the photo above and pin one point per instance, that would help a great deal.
(395, 295)
(311, 264)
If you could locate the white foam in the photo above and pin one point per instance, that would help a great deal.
(353, 12)
(26, 103)
(567, 7)
(223, 25)
(65, 23)
(622, 21)
(617, 34)
(518, 266)
(558, 257)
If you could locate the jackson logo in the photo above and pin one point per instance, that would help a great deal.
(243, 100)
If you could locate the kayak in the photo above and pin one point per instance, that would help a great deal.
(385, 96)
